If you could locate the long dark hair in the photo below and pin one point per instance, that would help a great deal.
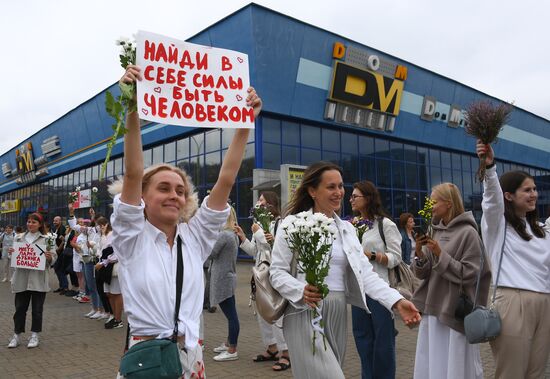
(372, 196)
(103, 221)
(510, 182)
(38, 217)
(272, 200)
(301, 200)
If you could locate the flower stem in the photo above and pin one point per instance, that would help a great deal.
(482, 167)
(111, 143)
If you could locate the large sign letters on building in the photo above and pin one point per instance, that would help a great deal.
(366, 89)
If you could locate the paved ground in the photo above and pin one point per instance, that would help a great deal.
(74, 347)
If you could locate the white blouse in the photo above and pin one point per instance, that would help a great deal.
(147, 269)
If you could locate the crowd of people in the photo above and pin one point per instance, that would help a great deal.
(157, 223)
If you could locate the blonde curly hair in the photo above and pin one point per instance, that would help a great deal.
(191, 197)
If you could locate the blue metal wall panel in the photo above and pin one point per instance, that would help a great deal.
(275, 44)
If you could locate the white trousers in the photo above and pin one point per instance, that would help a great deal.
(272, 334)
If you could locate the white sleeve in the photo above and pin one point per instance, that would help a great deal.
(127, 222)
(393, 243)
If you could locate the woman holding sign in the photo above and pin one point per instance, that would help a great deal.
(30, 279)
(153, 218)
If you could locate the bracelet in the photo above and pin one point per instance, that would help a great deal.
(490, 165)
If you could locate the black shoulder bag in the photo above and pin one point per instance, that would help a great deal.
(157, 358)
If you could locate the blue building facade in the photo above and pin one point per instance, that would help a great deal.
(325, 97)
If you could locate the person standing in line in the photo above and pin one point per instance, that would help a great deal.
(272, 334)
(520, 245)
(108, 276)
(374, 331)
(7, 271)
(148, 235)
(408, 242)
(223, 279)
(31, 286)
(350, 277)
(449, 263)
(59, 231)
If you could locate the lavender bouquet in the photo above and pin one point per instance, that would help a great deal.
(484, 121)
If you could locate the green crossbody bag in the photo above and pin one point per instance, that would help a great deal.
(157, 358)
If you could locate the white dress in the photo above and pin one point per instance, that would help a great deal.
(444, 353)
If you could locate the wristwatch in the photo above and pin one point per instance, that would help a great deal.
(373, 256)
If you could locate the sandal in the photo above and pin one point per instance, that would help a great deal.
(262, 358)
(281, 366)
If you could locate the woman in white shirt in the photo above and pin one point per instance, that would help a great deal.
(520, 245)
(374, 331)
(147, 228)
(350, 277)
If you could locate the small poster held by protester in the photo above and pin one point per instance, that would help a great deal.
(29, 256)
(191, 85)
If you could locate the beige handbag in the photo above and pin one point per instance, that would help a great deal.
(403, 280)
(269, 303)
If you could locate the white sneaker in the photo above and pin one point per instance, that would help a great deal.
(33, 341)
(109, 319)
(226, 356)
(91, 313)
(4, 280)
(104, 316)
(220, 349)
(14, 342)
(96, 315)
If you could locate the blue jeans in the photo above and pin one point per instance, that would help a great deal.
(91, 290)
(374, 336)
(230, 311)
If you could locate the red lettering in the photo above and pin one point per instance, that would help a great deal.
(226, 64)
(211, 111)
(222, 116)
(162, 107)
(147, 72)
(160, 75)
(196, 80)
(238, 84)
(192, 96)
(181, 78)
(235, 114)
(202, 63)
(218, 98)
(172, 54)
(248, 112)
(176, 93)
(175, 110)
(149, 50)
(149, 100)
(186, 60)
(200, 115)
(187, 110)
(161, 53)
(205, 94)
(221, 82)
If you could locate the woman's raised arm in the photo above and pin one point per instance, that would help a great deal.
(233, 158)
(133, 153)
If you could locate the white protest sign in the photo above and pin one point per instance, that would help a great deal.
(191, 85)
(29, 256)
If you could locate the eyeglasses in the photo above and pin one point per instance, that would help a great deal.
(353, 197)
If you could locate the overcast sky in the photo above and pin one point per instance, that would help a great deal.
(57, 54)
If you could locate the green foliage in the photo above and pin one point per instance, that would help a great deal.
(123, 104)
